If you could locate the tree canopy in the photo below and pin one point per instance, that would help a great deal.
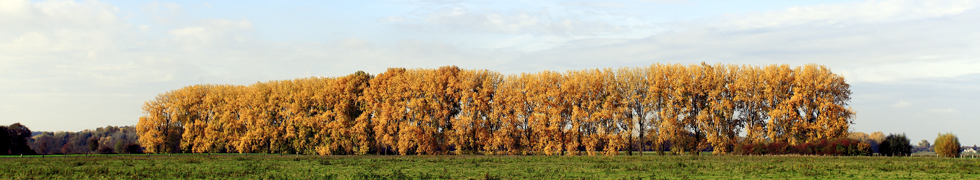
(450, 110)
(15, 139)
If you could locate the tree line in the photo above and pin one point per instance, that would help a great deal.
(103, 140)
(890, 145)
(460, 111)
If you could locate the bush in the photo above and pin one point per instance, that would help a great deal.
(105, 150)
(133, 148)
(896, 145)
(838, 147)
(947, 145)
(120, 147)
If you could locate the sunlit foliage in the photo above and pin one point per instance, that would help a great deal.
(450, 110)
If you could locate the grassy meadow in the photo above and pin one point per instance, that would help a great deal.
(254, 166)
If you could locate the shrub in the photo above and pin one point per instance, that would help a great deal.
(133, 148)
(105, 150)
(947, 145)
(896, 145)
(864, 148)
(838, 147)
(120, 147)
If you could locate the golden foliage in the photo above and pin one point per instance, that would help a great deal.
(452, 110)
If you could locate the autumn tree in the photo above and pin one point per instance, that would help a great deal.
(585, 91)
(632, 85)
(515, 111)
(159, 129)
(947, 145)
(474, 128)
(552, 111)
(751, 101)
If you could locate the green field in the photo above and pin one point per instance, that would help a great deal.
(483, 167)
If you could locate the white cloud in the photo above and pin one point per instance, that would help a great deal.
(849, 13)
(909, 40)
(943, 111)
(57, 26)
(922, 69)
(158, 7)
(594, 4)
(211, 32)
(393, 19)
(461, 19)
(164, 12)
(902, 104)
(71, 52)
(663, 1)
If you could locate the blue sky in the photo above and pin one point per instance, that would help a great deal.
(914, 66)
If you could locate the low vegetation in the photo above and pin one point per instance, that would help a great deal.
(835, 147)
(485, 167)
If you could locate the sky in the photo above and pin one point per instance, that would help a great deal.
(913, 66)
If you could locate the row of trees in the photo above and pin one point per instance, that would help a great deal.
(946, 144)
(891, 145)
(452, 110)
(836, 147)
(109, 139)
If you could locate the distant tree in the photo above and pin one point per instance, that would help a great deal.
(133, 148)
(860, 136)
(105, 150)
(924, 143)
(52, 142)
(4, 140)
(41, 144)
(120, 146)
(68, 148)
(93, 144)
(876, 139)
(896, 145)
(18, 140)
(947, 145)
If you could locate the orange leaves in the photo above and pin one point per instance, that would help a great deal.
(452, 110)
(474, 123)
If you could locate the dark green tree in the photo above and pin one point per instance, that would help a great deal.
(133, 148)
(105, 150)
(93, 144)
(4, 141)
(19, 137)
(896, 145)
(120, 146)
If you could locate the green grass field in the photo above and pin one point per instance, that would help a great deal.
(483, 167)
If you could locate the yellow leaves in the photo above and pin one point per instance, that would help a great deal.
(451, 110)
